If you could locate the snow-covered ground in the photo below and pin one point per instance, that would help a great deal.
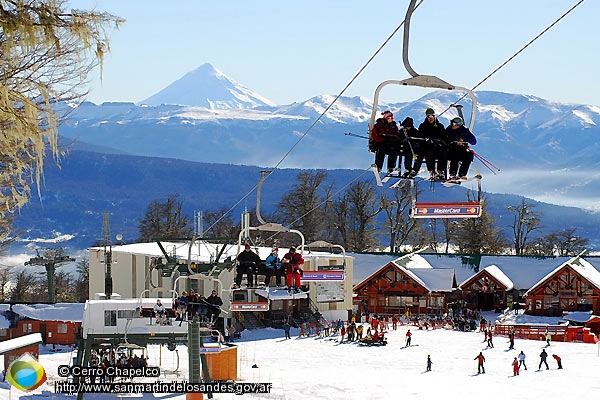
(312, 368)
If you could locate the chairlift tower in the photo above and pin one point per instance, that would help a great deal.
(106, 241)
(50, 259)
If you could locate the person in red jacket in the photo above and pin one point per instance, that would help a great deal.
(480, 359)
(515, 365)
(383, 138)
(292, 261)
(557, 358)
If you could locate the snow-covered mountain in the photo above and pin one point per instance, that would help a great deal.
(544, 150)
(207, 87)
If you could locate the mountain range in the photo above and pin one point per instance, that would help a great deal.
(207, 137)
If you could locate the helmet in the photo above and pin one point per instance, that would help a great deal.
(457, 121)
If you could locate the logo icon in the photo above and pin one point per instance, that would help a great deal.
(26, 373)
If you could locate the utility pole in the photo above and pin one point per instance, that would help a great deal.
(50, 260)
(108, 284)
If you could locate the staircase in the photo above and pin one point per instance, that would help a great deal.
(248, 320)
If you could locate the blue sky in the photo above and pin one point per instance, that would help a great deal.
(292, 51)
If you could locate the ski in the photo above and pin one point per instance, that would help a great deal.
(394, 174)
(377, 177)
(454, 182)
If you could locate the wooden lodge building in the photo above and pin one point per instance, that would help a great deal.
(427, 284)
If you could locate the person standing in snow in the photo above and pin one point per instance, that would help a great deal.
(558, 361)
(511, 338)
(515, 365)
(543, 356)
(489, 341)
(286, 330)
(428, 363)
(408, 337)
(521, 357)
(480, 360)
(548, 337)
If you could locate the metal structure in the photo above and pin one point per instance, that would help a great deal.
(50, 259)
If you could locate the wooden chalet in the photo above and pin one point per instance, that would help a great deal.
(488, 289)
(397, 289)
(572, 286)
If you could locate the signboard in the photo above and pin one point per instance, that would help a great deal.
(328, 292)
(320, 276)
(262, 306)
(212, 349)
(468, 209)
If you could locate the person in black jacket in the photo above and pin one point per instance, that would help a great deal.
(248, 262)
(214, 308)
(459, 153)
(406, 148)
(433, 147)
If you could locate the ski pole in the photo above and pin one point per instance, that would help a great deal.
(353, 134)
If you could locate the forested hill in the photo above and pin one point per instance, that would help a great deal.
(88, 184)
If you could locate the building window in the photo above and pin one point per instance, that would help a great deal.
(27, 328)
(538, 304)
(126, 314)
(62, 328)
(3, 332)
(110, 318)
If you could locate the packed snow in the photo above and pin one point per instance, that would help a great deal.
(324, 368)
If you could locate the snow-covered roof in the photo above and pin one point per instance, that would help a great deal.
(497, 274)
(66, 312)
(201, 251)
(4, 323)
(20, 342)
(578, 316)
(579, 265)
(436, 280)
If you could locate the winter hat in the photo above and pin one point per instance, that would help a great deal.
(247, 245)
(387, 113)
(408, 121)
(429, 111)
(457, 121)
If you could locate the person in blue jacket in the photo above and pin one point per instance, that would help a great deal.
(273, 264)
(459, 153)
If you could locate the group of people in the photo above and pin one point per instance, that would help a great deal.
(193, 304)
(290, 264)
(519, 362)
(446, 151)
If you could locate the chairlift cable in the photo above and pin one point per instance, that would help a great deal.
(519, 51)
(360, 71)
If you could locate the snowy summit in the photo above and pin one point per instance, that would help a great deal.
(208, 87)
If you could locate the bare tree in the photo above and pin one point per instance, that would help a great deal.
(82, 283)
(165, 220)
(219, 224)
(303, 206)
(564, 243)
(398, 222)
(27, 288)
(480, 235)
(47, 51)
(355, 213)
(526, 220)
